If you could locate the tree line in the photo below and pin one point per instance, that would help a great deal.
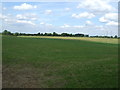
(6, 32)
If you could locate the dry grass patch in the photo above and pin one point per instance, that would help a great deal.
(102, 40)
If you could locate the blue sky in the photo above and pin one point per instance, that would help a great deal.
(93, 17)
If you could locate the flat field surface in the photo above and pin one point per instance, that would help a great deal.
(101, 40)
(58, 63)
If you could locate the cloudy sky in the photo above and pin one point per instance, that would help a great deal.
(93, 17)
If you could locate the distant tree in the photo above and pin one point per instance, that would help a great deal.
(70, 35)
(115, 36)
(64, 34)
(79, 35)
(41, 34)
(5, 32)
(111, 36)
(45, 34)
(55, 34)
(16, 34)
(20, 33)
(38, 34)
(49, 34)
(86, 35)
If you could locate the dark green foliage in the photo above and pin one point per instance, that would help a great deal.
(6, 32)
(86, 35)
(115, 36)
(64, 34)
(38, 34)
(55, 34)
(16, 34)
(79, 35)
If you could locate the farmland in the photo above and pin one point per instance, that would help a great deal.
(54, 62)
(100, 40)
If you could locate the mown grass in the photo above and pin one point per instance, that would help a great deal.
(57, 63)
(101, 40)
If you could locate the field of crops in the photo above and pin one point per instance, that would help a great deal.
(58, 63)
(101, 40)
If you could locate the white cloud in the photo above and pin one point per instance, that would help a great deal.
(25, 6)
(2, 16)
(19, 16)
(19, 19)
(102, 19)
(29, 16)
(46, 24)
(76, 26)
(33, 18)
(89, 23)
(49, 24)
(42, 23)
(25, 22)
(113, 1)
(84, 15)
(109, 19)
(100, 27)
(4, 8)
(69, 26)
(67, 9)
(65, 26)
(48, 11)
(96, 6)
(112, 23)
(7, 18)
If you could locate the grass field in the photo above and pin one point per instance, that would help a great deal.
(58, 63)
(101, 40)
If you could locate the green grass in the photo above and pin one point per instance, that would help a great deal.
(57, 63)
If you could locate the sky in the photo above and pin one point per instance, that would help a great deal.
(93, 17)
